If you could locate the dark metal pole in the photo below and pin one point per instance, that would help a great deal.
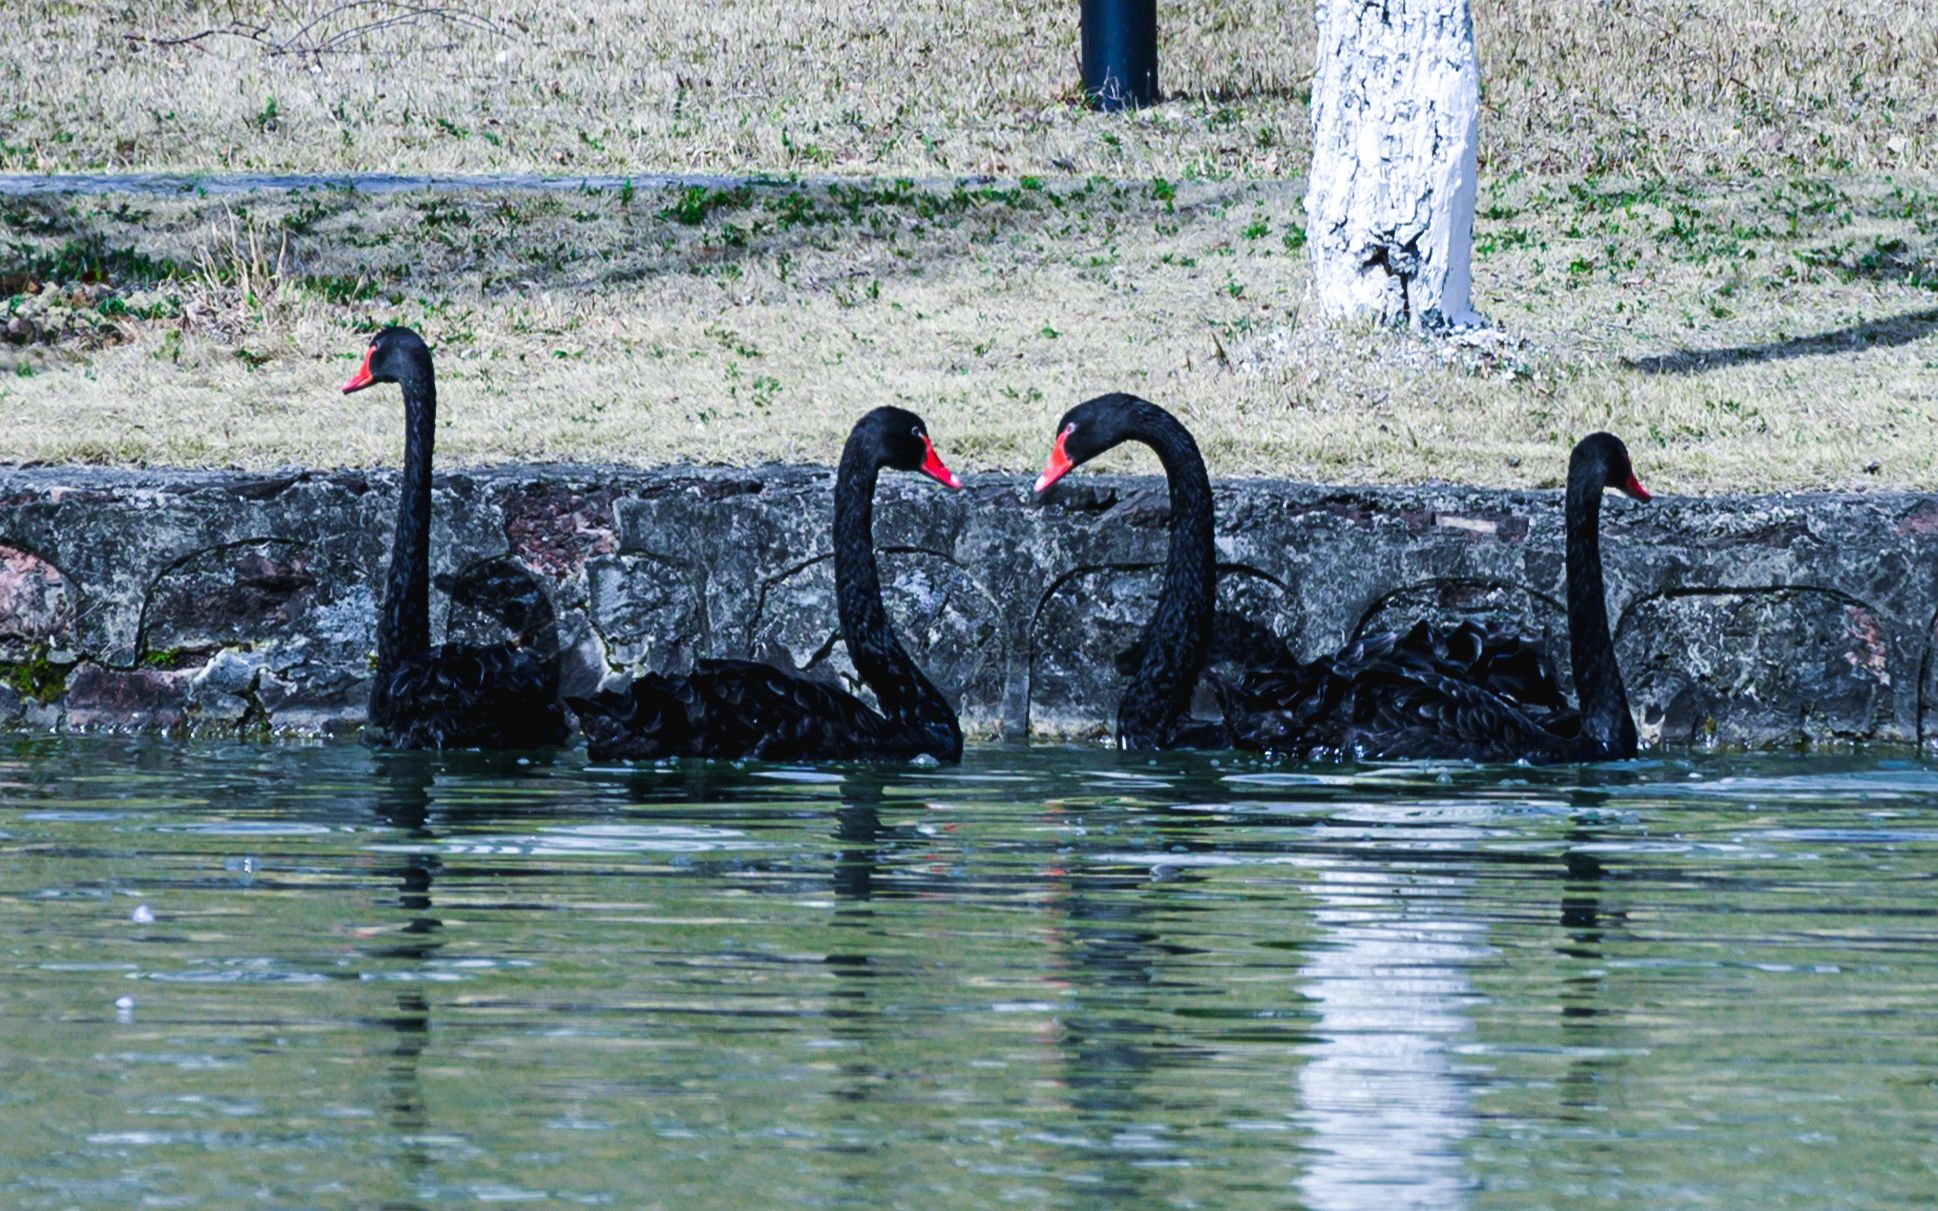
(1120, 53)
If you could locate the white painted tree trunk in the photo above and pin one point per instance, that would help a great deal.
(1395, 121)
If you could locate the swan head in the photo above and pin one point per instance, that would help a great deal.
(1604, 455)
(1088, 430)
(901, 441)
(391, 355)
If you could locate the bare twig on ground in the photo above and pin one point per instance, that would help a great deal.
(318, 36)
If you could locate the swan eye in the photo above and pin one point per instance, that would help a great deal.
(1068, 429)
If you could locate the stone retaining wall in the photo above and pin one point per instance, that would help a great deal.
(218, 601)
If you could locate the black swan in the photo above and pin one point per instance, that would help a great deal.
(745, 708)
(457, 695)
(1484, 696)
(1165, 664)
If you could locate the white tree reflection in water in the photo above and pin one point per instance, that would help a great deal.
(1379, 1092)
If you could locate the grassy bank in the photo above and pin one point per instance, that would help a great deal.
(1633, 87)
(1776, 332)
(1708, 225)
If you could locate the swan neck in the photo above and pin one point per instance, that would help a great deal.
(1607, 726)
(1178, 638)
(904, 693)
(1190, 572)
(857, 581)
(406, 624)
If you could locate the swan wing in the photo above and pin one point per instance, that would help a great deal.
(1413, 714)
(1503, 662)
(469, 696)
(730, 709)
(1425, 693)
(754, 709)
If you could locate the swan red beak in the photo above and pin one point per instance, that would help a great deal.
(933, 468)
(362, 377)
(1060, 463)
(1634, 488)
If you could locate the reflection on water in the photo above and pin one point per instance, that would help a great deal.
(313, 975)
(1386, 1109)
(403, 803)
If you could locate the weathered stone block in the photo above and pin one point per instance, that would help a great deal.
(231, 593)
(555, 527)
(582, 657)
(229, 672)
(223, 691)
(1736, 667)
(647, 610)
(314, 700)
(127, 699)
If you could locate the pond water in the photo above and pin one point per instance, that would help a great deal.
(311, 975)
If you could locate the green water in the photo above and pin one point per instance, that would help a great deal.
(314, 976)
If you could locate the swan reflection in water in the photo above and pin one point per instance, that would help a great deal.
(403, 803)
(1379, 1091)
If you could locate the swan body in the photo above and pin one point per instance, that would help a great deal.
(746, 708)
(1483, 696)
(454, 695)
(469, 696)
(1462, 692)
(1423, 694)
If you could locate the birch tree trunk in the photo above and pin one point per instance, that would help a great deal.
(1395, 122)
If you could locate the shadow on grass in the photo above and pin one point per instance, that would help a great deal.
(842, 238)
(1299, 91)
(1871, 334)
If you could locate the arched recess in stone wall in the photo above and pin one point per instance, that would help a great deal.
(1771, 664)
(252, 590)
(949, 623)
(1093, 617)
(495, 599)
(38, 603)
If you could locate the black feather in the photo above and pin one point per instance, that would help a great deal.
(469, 697)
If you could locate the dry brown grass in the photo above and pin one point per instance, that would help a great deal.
(1638, 87)
(1774, 333)
(1706, 224)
